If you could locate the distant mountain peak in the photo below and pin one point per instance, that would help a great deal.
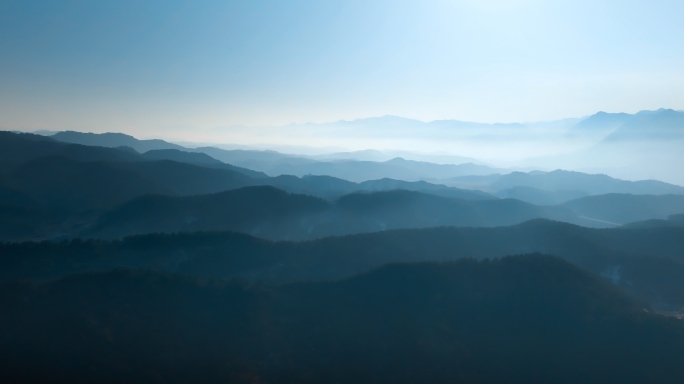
(385, 118)
(396, 159)
(657, 111)
(661, 125)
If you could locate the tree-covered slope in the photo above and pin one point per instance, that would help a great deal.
(646, 262)
(519, 319)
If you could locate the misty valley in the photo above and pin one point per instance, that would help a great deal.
(347, 191)
(127, 260)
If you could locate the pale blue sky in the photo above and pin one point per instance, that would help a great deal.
(146, 67)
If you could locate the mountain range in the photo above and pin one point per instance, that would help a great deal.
(645, 262)
(645, 145)
(141, 260)
(548, 188)
(629, 146)
(274, 163)
(56, 189)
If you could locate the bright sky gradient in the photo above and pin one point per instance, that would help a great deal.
(145, 67)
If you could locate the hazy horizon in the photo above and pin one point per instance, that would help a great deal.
(158, 68)
(587, 144)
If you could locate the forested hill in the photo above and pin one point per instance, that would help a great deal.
(647, 262)
(290, 218)
(519, 319)
(273, 214)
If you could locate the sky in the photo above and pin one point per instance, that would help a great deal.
(153, 67)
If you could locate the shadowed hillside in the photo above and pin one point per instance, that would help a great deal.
(250, 209)
(369, 212)
(113, 140)
(352, 213)
(672, 221)
(519, 319)
(646, 262)
(570, 183)
(200, 159)
(18, 148)
(623, 209)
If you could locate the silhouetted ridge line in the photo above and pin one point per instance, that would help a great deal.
(113, 140)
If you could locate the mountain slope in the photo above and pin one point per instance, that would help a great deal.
(647, 262)
(197, 158)
(660, 125)
(361, 212)
(162, 150)
(598, 125)
(18, 148)
(672, 221)
(408, 209)
(113, 140)
(565, 181)
(622, 208)
(519, 319)
(79, 185)
(539, 196)
(422, 186)
(75, 185)
(646, 145)
(250, 209)
(352, 213)
(360, 171)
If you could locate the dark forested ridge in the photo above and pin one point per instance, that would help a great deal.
(113, 140)
(258, 210)
(246, 211)
(646, 262)
(200, 159)
(261, 211)
(671, 221)
(624, 208)
(466, 321)
(18, 148)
